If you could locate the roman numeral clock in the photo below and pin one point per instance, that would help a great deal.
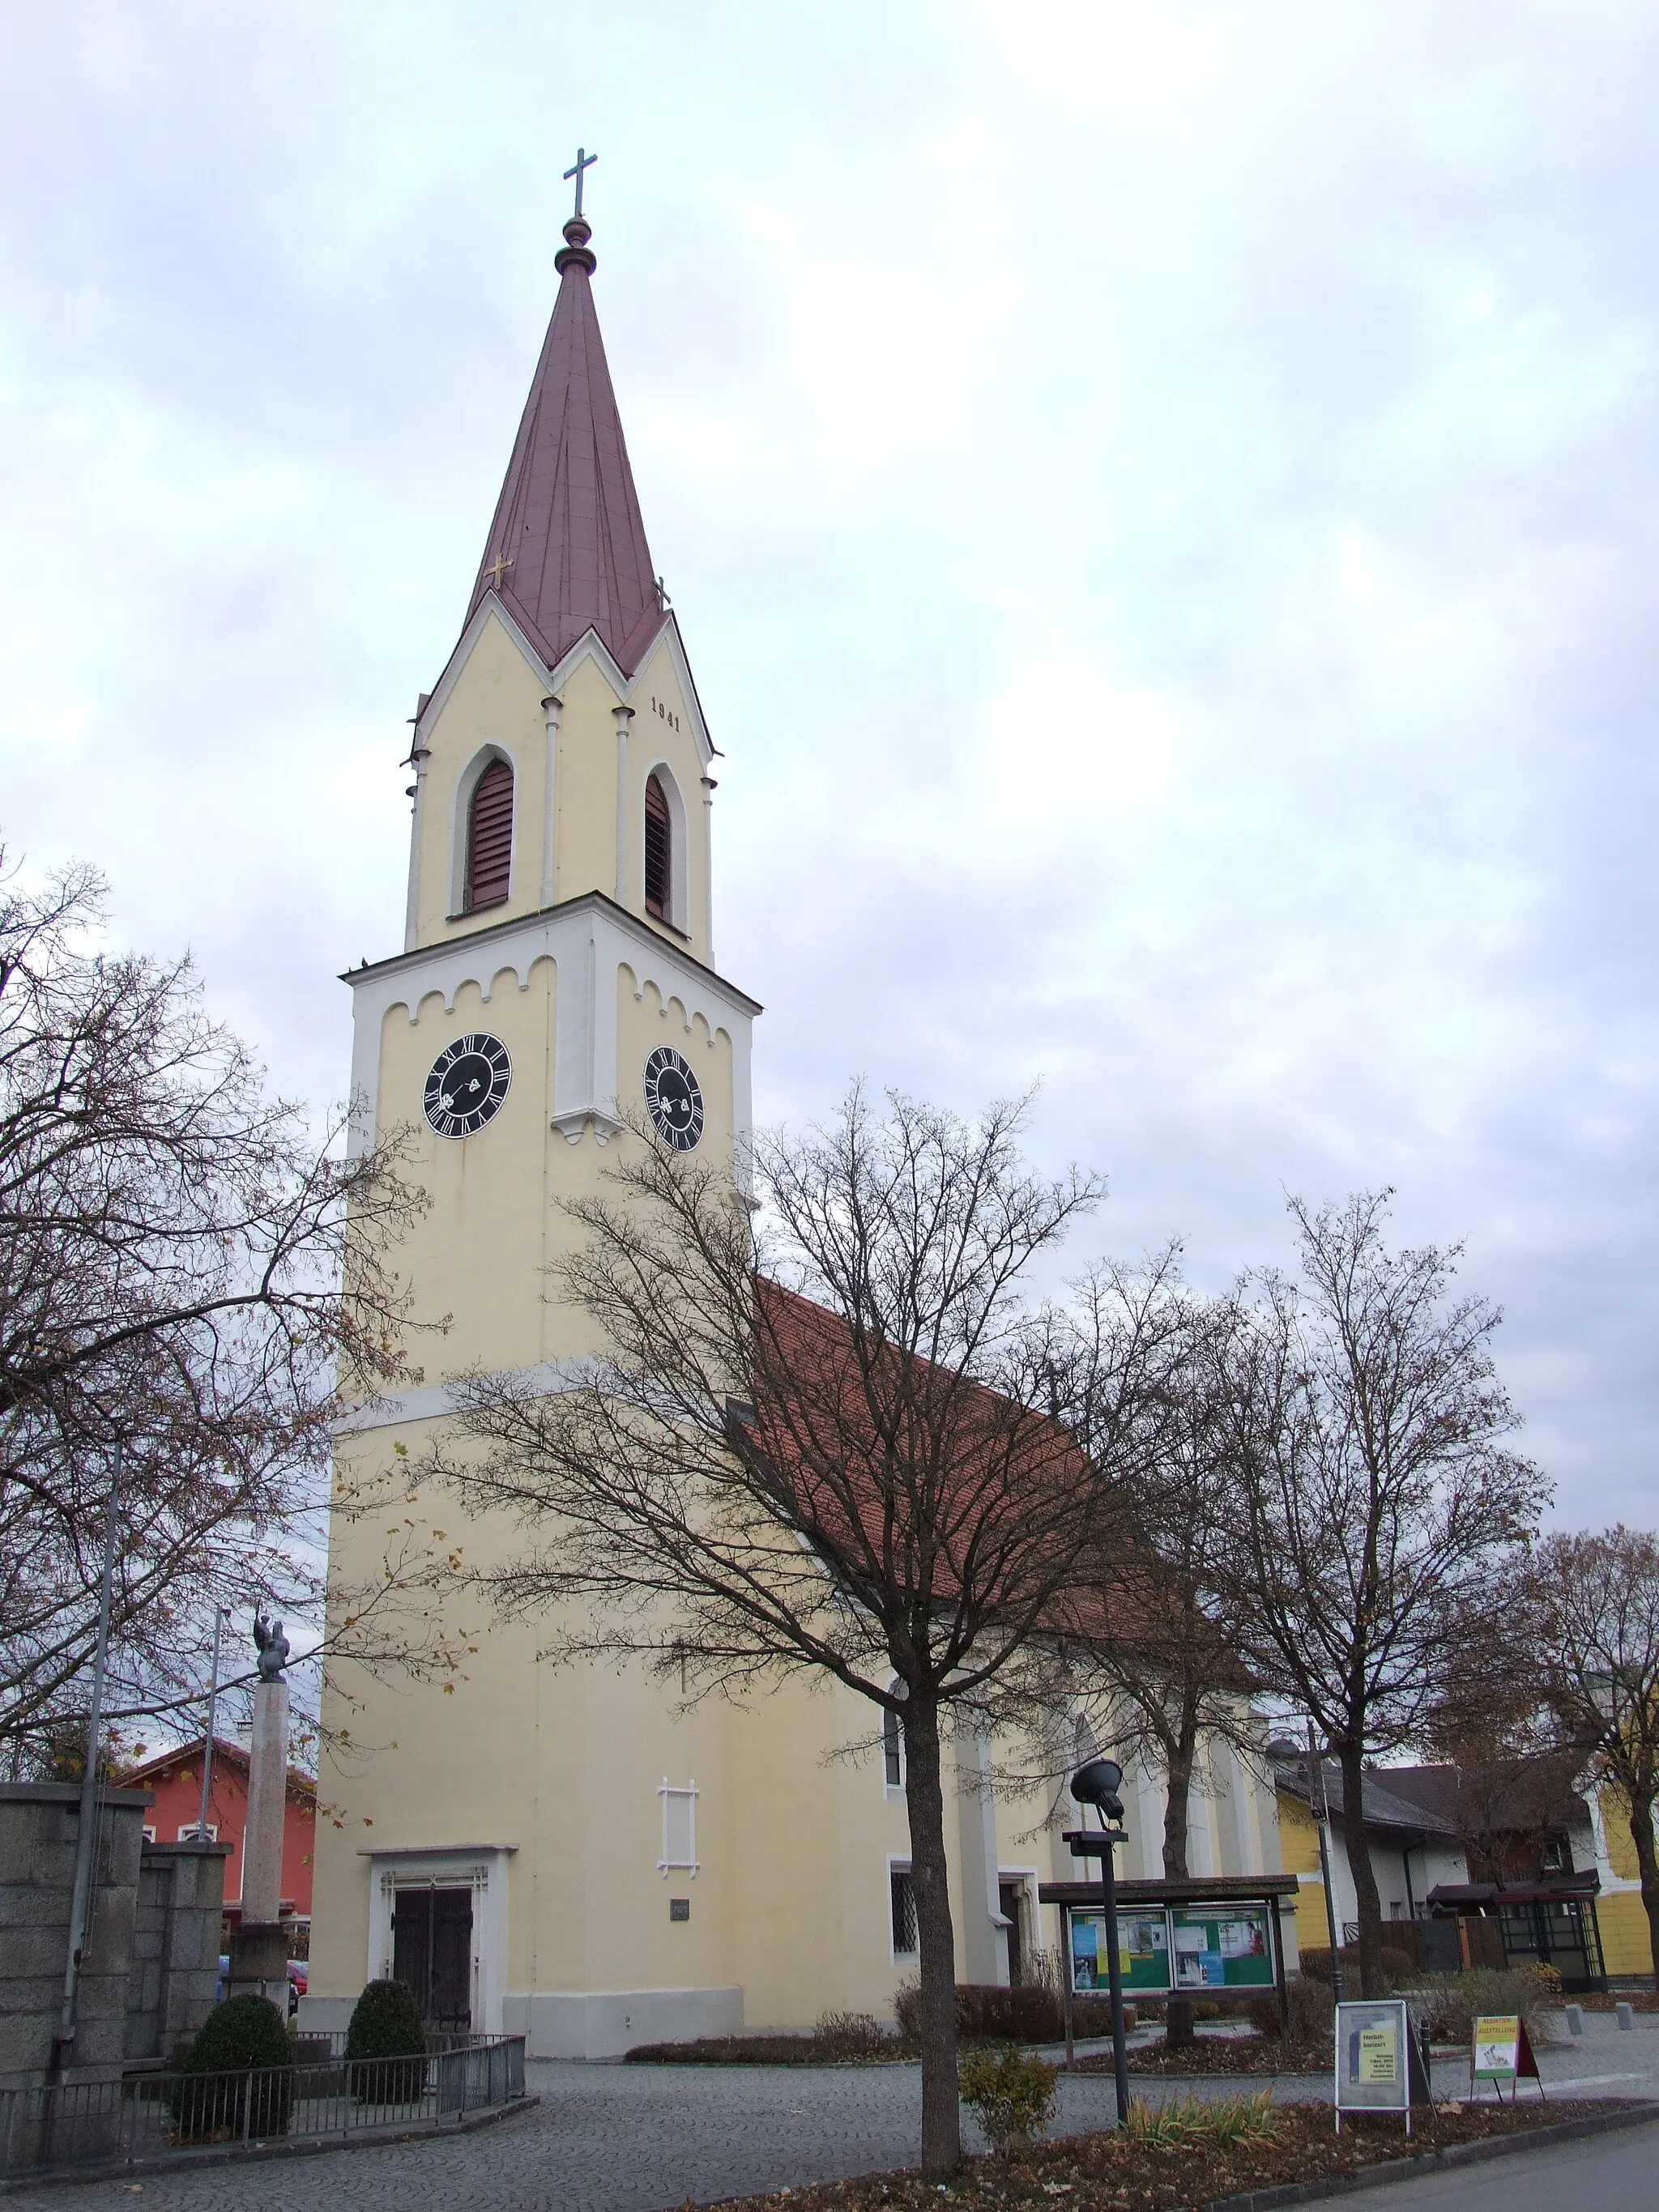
(469, 1081)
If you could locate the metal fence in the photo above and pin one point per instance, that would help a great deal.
(324, 2096)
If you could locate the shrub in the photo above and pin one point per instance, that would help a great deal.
(1011, 2094)
(1025, 2013)
(843, 2035)
(1311, 2005)
(1186, 2123)
(989, 2013)
(1398, 1971)
(1451, 2003)
(236, 2074)
(386, 2028)
(1092, 2013)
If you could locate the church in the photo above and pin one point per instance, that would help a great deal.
(564, 1852)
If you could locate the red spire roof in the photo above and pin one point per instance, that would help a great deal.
(567, 549)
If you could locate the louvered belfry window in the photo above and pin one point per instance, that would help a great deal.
(489, 837)
(659, 850)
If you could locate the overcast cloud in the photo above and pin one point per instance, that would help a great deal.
(1161, 500)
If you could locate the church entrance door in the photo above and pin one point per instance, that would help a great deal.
(432, 1951)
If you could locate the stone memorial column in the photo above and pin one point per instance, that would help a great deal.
(259, 1950)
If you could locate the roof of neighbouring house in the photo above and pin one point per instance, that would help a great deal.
(1516, 1797)
(226, 1749)
(1383, 1807)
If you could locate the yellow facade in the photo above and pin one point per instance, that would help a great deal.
(1298, 1848)
(538, 1789)
(1626, 1938)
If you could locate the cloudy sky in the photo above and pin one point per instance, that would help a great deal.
(1161, 500)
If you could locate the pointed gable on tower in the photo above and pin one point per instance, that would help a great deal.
(567, 550)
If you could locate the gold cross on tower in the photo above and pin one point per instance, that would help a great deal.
(497, 568)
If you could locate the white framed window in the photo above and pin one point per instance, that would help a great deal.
(150, 1835)
(193, 1832)
(679, 1828)
(901, 1909)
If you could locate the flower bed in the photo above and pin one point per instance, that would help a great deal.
(1114, 2173)
(1219, 2054)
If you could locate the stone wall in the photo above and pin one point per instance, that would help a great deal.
(173, 1980)
(38, 1824)
(151, 1969)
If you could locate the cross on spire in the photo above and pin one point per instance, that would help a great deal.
(497, 568)
(584, 160)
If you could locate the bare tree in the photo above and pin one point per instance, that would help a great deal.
(1147, 1656)
(1594, 1613)
(173, 1246)
(1510, 1770)
(821, 1442)
(1374, 1510)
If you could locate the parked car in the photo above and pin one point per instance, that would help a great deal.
(299, 1980)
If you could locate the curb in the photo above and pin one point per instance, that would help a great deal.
(256, 2154)
(1435, 2161)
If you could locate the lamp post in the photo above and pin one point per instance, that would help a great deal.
(212, 1721)
(85, 1834)
(1322, 1813)
(1098, 1784)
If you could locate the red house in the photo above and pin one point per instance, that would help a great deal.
(176, 1778)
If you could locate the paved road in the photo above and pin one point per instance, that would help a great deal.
(1613, 2173)
(640, 2138)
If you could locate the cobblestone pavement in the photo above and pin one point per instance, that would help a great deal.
(641, 2138)
(603, 2139)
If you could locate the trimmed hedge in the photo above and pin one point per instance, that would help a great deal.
(987, 2013)
(237, 2074)
(386, 2029)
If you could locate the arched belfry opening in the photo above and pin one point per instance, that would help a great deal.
(490, 838)
(659, 851)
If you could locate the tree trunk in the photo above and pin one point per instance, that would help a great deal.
(1368, 1903)
(1647, 1865)
(1178, 2029)
(941, 2113)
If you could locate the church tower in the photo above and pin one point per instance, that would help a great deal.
(557, 969)
(556, 975)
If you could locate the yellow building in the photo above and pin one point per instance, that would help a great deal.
(1627, 1939)
(563, 1850)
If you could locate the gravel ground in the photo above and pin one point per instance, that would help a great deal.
(641, 2138)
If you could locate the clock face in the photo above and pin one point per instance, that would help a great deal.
(468, 1082)
(673, 1098)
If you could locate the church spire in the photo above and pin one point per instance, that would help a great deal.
(567, 549)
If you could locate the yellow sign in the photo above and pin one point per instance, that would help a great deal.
(1496, 2046)
(1379, 2056)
